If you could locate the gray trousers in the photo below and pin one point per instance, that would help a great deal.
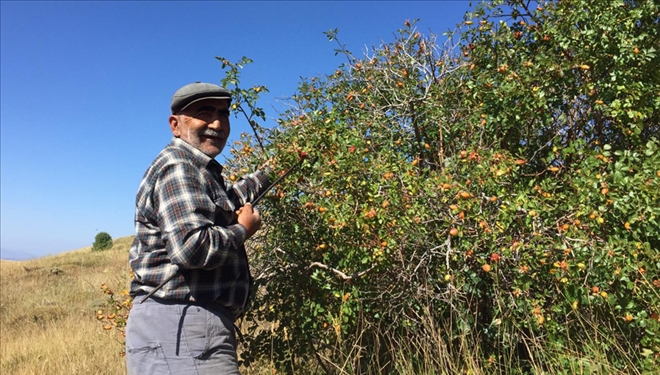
(164, 337)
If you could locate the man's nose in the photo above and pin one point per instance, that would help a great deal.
(219, 122)
(215, 123)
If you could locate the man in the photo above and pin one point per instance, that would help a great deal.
(190, 224)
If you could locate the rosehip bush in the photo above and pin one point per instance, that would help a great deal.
(116, 311)
(494, 197)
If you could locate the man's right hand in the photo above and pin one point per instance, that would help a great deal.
(249, 218)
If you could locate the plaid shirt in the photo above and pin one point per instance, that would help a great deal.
(185, 221)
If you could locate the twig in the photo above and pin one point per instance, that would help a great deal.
(339, 273)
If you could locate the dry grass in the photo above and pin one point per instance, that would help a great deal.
(48, 320)
(48, 313)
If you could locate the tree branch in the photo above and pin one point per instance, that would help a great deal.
(339, 273)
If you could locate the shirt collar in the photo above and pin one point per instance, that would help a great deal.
(200, 158)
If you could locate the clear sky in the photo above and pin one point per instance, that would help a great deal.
(86, 87)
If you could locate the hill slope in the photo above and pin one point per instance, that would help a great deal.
(48, 312)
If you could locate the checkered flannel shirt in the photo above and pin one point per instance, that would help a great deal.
(185, 221)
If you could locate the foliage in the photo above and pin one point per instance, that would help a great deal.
(499, 191)
(102, 241)
(115, 313)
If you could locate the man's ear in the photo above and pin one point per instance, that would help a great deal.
(175, 125)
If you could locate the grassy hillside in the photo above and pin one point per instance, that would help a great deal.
(48, 313)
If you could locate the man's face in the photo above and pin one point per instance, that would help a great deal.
(204, 125)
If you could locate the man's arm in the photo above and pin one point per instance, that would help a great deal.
(186, 216)
(248, 188)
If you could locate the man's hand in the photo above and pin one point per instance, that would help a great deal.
(269, 164)
(249, 218)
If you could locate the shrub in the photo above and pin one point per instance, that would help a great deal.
(494, 198)
(489, 205)
(102, 241)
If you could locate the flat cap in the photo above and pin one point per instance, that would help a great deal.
(195, 92)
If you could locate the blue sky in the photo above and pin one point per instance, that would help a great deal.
(86, 87)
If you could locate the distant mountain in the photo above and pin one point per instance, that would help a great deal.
(7, 254)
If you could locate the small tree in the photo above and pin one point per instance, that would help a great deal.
(102, 241)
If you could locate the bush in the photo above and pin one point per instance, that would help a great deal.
(102, 241)
(493, 200)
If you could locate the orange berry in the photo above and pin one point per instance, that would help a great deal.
(486, 267)
(453, 232)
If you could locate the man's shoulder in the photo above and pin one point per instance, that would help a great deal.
(168, 157)
(172, 154)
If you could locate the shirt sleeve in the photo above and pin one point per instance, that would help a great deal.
(186, 215)
(248, 188)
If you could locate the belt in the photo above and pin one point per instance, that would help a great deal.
(211, 305)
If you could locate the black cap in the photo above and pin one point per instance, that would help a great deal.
(195, 92)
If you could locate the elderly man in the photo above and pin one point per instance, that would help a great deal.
(190, 224)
